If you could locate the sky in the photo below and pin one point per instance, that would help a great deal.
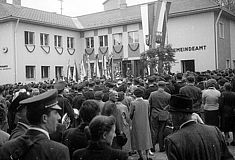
(72, 7)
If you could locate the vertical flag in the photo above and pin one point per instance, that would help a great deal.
(154, 18)
(82, 70)
(97, 69)
(104, 64)
(68, 72)
(75, 72)
(145, 24)
(88, 68)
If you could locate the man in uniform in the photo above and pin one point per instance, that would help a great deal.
(193, 141)
(42, 114)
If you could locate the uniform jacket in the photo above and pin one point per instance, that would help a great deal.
(99, 151)
(34, 145)
(197, 141)
(18, 131)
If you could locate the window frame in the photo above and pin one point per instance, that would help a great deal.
(119, 38)
(28, 40)
(134, 34)
(30, 74)
(58, 41)
(104, 42)
(221, 30)
(70, 42)
(44, 39)
(43, 72)
(89, 42)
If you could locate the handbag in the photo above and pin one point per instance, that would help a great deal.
(121, 139)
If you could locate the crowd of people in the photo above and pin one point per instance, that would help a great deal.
(183, 113)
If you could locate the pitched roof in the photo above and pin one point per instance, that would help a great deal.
(130, 14)
(29, 14)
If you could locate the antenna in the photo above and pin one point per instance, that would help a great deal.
(61, 6)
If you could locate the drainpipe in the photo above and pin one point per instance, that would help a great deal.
(15, 51)
(216, 40)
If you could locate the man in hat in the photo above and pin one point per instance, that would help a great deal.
(151, 87)
(193, 140)
(42, 114)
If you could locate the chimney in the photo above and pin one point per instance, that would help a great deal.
(3, 1)
(16, 2)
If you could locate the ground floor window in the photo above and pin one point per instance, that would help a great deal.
(59, 72)
(30, 72)
(45, 71)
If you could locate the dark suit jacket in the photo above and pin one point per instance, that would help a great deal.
(34, 145)
(197, 141)
(18, 131)
(99, 151)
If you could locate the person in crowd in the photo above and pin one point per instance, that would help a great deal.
(125, 120)
(98, 99)
(78, 98)
(210, 101)
(76, 138)
(36, 143)
(194, 92)
(227, 112)
(20, 115)
(151, 87)
(179, 82)
(4, 136)
(127, 99)
(89, 92)
(141, 135)
(158, 101)
(102, 131)
(200, 141)
(4, 125)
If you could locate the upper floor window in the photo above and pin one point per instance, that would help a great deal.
(44, 39)
(221, 30)
(133, 37)
(58, 41)
(45, 71)
(90, 42)
(30, 72)
(29, 37)
(70, 42)
(117, 39)
(103, 40)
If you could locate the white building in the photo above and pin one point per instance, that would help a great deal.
(37, 45)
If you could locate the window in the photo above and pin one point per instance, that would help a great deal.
(233, 64)
(45, 71)
(29, 37)
(133, 37)
(30, 72)
(103, 41)
(90, 42)
(117, 39)
(58, 72)
(227, 63)
(70, 42)
(58, 41)
(221, 30)
(44, 39)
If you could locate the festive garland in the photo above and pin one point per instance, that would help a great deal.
(134, 44)
(89, 53)
(62, 49)
(119, 50)
(45, 49)
(26, 46)
(71, 53)
(106, 49)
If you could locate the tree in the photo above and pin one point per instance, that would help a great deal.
(159, 59)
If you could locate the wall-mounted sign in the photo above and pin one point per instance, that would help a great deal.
(192, 48)
(4, 67)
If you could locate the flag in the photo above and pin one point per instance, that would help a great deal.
(97, 69)
(104, 65)
(82, 71)
(75, 73)
(68, 72)
(154, 20)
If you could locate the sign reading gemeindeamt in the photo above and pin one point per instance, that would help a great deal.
(191, 48)
(4, 67)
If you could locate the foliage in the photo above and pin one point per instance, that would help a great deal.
(161, 57)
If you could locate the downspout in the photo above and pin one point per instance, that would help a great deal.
(216, 40)
(15, 51)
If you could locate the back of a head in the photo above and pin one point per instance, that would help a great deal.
(99, 125)
(98, 95)
(88, 110)
(228, 86)
(179, 76)
(190, 79)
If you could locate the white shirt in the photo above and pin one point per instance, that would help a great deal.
(41, 130)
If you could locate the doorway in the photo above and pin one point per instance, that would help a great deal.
(188, 65)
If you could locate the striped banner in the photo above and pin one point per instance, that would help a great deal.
(154, 18)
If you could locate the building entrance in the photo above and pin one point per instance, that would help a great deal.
(188, 65)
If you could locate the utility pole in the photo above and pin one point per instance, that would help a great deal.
(61, 6)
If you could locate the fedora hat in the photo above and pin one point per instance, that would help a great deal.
(181, 103)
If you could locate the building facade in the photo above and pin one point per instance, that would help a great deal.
(37, 45)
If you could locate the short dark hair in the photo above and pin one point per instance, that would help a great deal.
(89, 110)
(99, 125)
(190, 79)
